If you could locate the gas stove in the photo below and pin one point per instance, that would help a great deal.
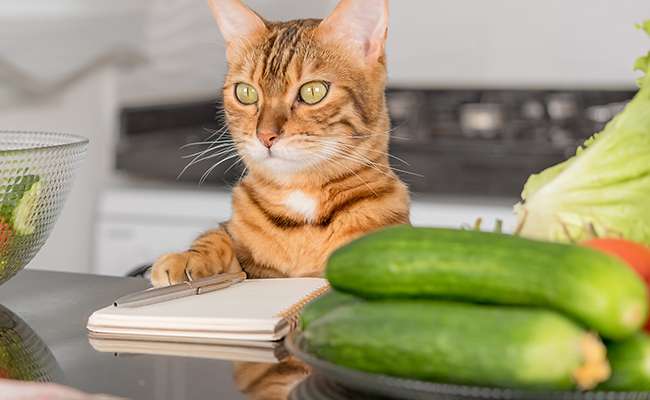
(460, 142)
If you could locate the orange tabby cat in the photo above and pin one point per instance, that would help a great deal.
(304, 102)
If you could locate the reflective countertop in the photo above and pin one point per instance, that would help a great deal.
(43, 338)
(56, 306)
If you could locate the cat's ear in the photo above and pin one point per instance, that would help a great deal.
(364, 22)
(237, 22)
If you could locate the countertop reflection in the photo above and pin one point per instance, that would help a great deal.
(23, 354)
(54, 307)
(43, 337)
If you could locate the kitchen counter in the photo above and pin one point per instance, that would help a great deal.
(49, 310)
(43, 314)
(56, 306)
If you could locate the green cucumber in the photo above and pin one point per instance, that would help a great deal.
(324, 304)
(19, 203)
(630, 362)
(407, 262)
(460, 343)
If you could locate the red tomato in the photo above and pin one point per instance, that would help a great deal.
(5, 373)
(6, 235)
(634, 254)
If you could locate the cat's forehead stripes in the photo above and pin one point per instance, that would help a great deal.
(286, 44)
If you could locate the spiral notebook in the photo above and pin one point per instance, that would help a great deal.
(253, 310)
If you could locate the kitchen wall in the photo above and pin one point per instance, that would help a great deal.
(187, 52)
(60, 65)
(587, 44)
(432, 44)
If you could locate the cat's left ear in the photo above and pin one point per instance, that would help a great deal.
(237, 22)
(364, 22)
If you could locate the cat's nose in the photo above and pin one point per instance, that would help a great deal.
(267, 137)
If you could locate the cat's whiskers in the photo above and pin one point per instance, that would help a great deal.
(193, 162)
(221, 132)
(213, 144)
(209, 142)
(239, 160)
(204, 151)
(202, 155)
(243, 173)
(217, 148)
(313, 164)
(366, 161)
(326, 135)
(214, 155)
(345, 153)
(331, 160)
(205, 175)
(316, 166)
(341, 153)
(366, 149)
(372, 133)
(385, 132)
(360, 160)
(371, 163)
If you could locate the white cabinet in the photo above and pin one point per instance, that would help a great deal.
(134, 227)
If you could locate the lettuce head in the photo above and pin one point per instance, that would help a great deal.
(604, 190)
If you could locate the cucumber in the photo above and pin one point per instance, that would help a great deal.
(19, 203)
(407, 262)
(630, 362)
(324, 304)
(460, 343)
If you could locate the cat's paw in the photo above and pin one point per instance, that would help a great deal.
(216, 256)
(179, 267)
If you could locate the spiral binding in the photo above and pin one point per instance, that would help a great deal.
(292, 314)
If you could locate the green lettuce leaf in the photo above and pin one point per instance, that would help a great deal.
(535, 181)
(643, 63)
(603, 190)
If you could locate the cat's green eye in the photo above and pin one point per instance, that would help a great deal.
(246, 93)
(313, 92)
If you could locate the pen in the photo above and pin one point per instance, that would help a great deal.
(179, 290)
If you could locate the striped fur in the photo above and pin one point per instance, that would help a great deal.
(269, 381)
(326, 178)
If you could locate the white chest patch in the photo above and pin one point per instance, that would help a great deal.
(302, 204)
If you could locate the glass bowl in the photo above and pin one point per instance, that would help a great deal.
(37, 170)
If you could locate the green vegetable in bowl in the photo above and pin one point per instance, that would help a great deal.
(604, 190)
(19, 203)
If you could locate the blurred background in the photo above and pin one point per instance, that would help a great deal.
(482, 93)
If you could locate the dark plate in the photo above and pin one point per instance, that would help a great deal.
(400, 388)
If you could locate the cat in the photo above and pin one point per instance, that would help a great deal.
(305, 106)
